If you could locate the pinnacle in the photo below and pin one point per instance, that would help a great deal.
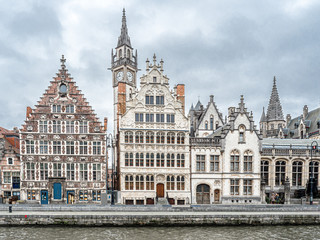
(274, 111)
(124, 38)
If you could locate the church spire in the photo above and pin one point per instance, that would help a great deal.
(124, 38)
(263, 116)
(274, 108)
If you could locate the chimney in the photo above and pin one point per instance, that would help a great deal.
(181, 96)
(105, 127)
(305, 111)
(29, 111)
(211, 98)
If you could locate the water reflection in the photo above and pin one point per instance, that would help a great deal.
(163, 233)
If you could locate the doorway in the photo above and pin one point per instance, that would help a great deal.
(57, 191)
(44, 196)
(217, 196)
(160, 190)
(70, 197)
(203, 194)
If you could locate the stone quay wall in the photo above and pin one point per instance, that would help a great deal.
(222, 215)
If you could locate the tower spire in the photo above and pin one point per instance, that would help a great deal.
(274, 111)
(124, 38)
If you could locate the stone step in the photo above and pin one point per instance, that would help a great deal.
(162, 201)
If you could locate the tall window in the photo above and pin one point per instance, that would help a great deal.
(180, 138)
(56, 126)
(160, 117)
(43, 171)
(247, 187)
(43, 126)
(170, 138)
(43, 147)
(83, 128)
(152, 160)
(56, 147)
(214, 163)
(162, 160)
(149, 99)
(96, 171)
(83, 195)
(83, 147)
(129, 182)
(70, 147)
(158, 159)
(139, 182)
(170, 182)
(6, 177)
(150, 137)
(69, 126)
(265, 171)
(201, 162)
(96, 195)
(139, 160)
(170, 118)
(128, 137)
(234, 161)
(247, 161)
(297, 173)
(206, 125)
(30, 146)
(172, 160)
(182, 160)
(168, 160)
(56, 108)
(242, 130)
(70, 109)
(83, 172)
(70, 171)
(211, 123)
(96, 148)
(139, 117)
(30, 171)
(178, 160)
(234, 186)
(180, 182)
(160, 100)
(280, 172)
(149, 117)
(149, 182)
(147, 159)
(57, 170)
(139, 137)
(315, 169)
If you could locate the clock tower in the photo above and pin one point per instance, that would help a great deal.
(124, 67)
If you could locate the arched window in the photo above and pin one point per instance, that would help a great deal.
(180, 138)
(120, 53)
(265, 171)
(247, 161)
(150, 137)
(126, 159)
(280, 172)
(297, 173)
(242, 130)
(314, 168)
(131, 159)
(182, 160)
(172, 160)
(211, 123)
(206, 125)
(180, 183)
(152, 160)
(147, 159)
(162, 138)
(162, 159)
(170, 138)
(129, 182)
(149, 182)
(139, 182)
(178, 160)
(158, 159)
(128, 54)
(168, 160)
(139, 137)
(158, 138)
(128, 137)
(234, 161)
(170, 182)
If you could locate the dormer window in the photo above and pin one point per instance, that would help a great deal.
(63, 89)
(10, 161)
(70, 109)
(56, 108)
(241, 134)
(154, 79)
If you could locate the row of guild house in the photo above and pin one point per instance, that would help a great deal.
(160, 153)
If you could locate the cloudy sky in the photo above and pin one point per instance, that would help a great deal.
(225, 48)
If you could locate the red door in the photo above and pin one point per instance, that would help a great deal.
(160, 190)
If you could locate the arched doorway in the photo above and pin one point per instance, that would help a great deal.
(160, 190)
(203, 194)
(217, 196)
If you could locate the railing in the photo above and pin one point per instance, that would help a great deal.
(205, 141)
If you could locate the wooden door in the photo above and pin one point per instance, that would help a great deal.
(216, 195)
(203, 194)
(57, 191)
(160, 190)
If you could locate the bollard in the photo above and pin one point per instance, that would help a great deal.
(10, 208)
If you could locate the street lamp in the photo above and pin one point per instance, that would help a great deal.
(314, 147)
(110, 144)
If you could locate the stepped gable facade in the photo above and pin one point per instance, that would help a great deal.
(62, 147)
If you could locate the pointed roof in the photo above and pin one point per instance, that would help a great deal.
(274, 108)
(263, 116)
(197, 107)
(124, 38)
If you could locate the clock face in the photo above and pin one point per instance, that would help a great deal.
(129, 76)
(119, 76)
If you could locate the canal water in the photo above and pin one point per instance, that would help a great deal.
(163, 233)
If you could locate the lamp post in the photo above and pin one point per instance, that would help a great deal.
(110, 143)
(314, 147)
